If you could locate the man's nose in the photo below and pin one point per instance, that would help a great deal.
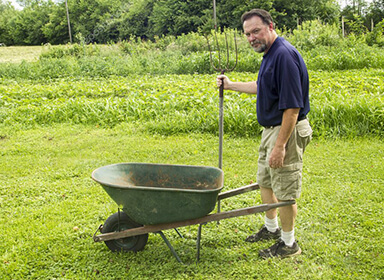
(251, 37)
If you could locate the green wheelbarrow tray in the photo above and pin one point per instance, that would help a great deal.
(159, 193)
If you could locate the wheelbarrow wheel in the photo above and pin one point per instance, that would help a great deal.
(115, 223)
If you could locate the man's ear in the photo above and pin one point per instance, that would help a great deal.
(271, 27)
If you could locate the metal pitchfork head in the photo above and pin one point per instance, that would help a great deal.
(221, 67)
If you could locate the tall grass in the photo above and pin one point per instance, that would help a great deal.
(344, 103)
(321, 46)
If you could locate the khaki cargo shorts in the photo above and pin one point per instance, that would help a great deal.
(285, 182)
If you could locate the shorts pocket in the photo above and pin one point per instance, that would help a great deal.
(288, 184)
(304, 129)
(304, 132)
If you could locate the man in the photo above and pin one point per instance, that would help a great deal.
(282, 105)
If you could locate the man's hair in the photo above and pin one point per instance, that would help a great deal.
(263, 14)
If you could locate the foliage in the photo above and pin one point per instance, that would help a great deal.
(7, 12)
(74, 50)
(56, 29)
(375, 13)
(292, 12)
(355, 25)
(177, 17)
(26, 25)
(376, 37)
(104, 21)
(134, 21)
(344, 58)
(60, 87)
(314, 34)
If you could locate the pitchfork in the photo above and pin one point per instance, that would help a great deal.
(222, 68)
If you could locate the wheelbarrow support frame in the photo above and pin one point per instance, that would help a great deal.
(199, 221)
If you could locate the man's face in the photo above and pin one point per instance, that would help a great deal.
(259, 35)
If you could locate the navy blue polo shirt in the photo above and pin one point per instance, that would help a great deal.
(282, 83)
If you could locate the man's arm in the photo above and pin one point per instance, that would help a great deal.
(277, 156)
(246, 87)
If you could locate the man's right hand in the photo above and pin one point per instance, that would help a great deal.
(222, 79)
(247, 87)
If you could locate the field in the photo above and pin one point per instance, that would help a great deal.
(61, 118)
(12, 54)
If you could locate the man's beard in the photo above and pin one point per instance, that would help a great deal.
(261, 48)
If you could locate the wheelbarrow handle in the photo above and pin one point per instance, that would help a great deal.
(238, 191)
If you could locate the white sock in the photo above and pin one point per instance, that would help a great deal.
(288, 237)
(271, 224)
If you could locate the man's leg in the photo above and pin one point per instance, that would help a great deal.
(270, 229)
(287, 217)
(268, 197)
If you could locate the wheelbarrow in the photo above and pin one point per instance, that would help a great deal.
(157, 197)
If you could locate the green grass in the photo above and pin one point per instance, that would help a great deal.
(46, 192)
(18, 54)
(62, 118)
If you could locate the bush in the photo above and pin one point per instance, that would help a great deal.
(74, 50)
(376, 37)
(312, 34)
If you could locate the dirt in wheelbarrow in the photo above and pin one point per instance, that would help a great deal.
(164, 181)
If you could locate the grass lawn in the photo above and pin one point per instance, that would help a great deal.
(50, 208)
(17, 54)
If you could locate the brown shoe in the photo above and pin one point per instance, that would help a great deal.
(264, 234)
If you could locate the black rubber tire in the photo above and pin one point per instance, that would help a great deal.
(134, 243)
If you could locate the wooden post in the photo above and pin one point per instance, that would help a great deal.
(342, 26)
(69, 24)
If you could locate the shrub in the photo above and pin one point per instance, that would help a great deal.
(75, 50)
(376, 37)
(312, 34)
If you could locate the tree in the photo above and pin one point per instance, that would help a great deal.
(7, 13)
(229, 12)
(290, 13)
(376, 11)
(176, 17)
(134, 21)
(56, 29)
(26, 26)
(90, 17)
(358, 15)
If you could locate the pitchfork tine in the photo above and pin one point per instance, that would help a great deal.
(222, 67)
